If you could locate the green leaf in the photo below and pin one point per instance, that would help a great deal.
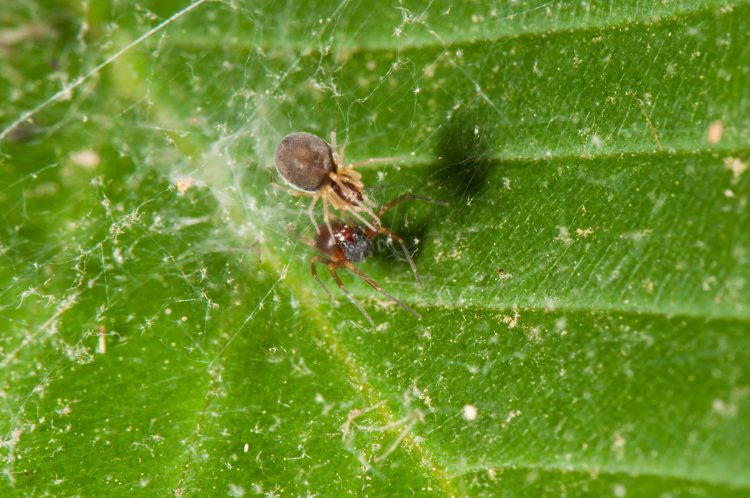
(585, 323)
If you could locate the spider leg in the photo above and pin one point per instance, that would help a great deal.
(354, 178)
(334, 152)
(313, 261)
(362, 218)
(343, 206)
(295, 193)
(310, 212)
(332, 269)
(376, 160)
(327, 216)
(342, 184)
(367, 201)
(398, 239)
(352, 268)
(333, 139)
(364, 208)
(351, 175)
(409, 197)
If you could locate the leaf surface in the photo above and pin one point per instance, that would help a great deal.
(585, 311)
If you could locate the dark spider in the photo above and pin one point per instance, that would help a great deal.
(342, 245)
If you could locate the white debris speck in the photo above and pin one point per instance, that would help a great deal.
(503, 275)
(236, 490)
(511, 415)
(736, 166)
(246, 448)
(506, 183)
(117, 256)
(723, 408)
(86, 158)
(619, 490)
(512, 321)
(63, 411)
(618, 446)
(470, 412)
(183, 184)
(563, 235)
(101, 346)
(715, 131)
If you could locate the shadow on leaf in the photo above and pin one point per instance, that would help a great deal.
(462, 148)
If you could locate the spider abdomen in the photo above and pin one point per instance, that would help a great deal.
(350, 243)
(357, 247)
(305, 161)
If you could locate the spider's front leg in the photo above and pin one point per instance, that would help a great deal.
(388, 233)
(313, 262)
(352, 268)
(332, 266)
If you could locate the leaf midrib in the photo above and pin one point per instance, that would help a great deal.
(571, 309)
(499, 160)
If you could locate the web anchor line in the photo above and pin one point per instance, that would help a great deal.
(67, 89)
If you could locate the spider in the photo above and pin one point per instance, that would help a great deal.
(314, 168)
(342, 245)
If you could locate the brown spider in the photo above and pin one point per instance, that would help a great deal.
(343, 245)
(314, 167)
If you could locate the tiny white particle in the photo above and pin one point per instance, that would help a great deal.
(101, 347)
(470, 412)
(246, 448)
(736, 166)
(715, 132)
(236, 490)
(88, 159)
(183, 184)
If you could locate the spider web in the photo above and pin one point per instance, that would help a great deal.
(142, 228)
